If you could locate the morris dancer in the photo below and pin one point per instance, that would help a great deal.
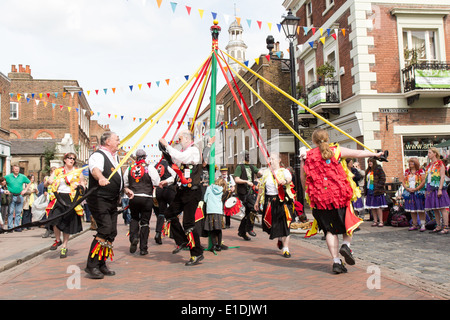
(187, 197)
(103, 203)
(64, 183)
(278, 209)
(138, 186)
(330, 189)
(165, 193)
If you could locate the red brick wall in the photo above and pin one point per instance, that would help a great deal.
(385, 49)
(392, 142)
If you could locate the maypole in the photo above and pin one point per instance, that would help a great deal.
(215, 30)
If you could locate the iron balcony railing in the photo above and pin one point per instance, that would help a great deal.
(323, 92)
(426, 75)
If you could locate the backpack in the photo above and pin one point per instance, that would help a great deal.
(399, 220)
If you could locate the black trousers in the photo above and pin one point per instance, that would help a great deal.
(165, 197)
(246, 224)
(140, 211)
(105, 215)
(186, 200)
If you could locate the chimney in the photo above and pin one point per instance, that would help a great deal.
(277, 46)
(20, 73)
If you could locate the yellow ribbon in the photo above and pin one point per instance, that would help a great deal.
(269, 107)
(160, 112)
(297, 102)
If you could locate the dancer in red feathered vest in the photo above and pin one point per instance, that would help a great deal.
(330, 189)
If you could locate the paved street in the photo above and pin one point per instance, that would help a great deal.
(411, 266)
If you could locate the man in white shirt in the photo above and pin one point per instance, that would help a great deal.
(103, 202)
(188, 195)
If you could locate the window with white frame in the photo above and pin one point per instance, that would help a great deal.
(419, 45)
(14, 110)
(421, 32)
(309, 14)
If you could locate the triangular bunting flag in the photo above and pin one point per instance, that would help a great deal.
(157, 83)
(105, 90)
(159, 3)
(313, 30)
(322, 39)
(311, 43)
(186, 77)
(200, 11)
(114, 90)
(214, 15)
(305, 29)
(269, 25)
(257, 61)
(238, 20)
(174, 6)
(188, 9)
(140, 86)
(343, 32)
(69, 108)
(167, 81)
(88, 92)
(268, 57)
(131, 88)
(249, 22)
(259, 24)
(279, 27)
(149, 84)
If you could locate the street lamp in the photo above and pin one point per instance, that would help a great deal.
(290, 25)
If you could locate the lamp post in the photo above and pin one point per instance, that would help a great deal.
(290, 25)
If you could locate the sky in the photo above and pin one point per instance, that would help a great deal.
(105, 44)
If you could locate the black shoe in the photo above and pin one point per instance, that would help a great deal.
(347, 254)
(339, 268)
(104, 270)
(252, 233)
(279, 244)
(223, 247)
(158, 238)
(133, 246)
(94, 273)
(180, 247)
(194, 260)
(143, 252)
(286, 254)
(244, 236)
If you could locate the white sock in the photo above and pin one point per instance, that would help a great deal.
(347, 243)
(337, 260)
(285, 249)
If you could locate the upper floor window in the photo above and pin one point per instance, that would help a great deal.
(419, 45)
(309, 16)
(14, 110)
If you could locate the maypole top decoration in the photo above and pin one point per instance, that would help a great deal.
(215, 30)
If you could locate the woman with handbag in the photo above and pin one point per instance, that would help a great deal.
(374, 191)
(414, 193)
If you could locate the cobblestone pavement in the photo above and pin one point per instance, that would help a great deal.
(417, 258)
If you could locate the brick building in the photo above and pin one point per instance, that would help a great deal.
(48, 109)
(234, 136)
(5, 145)
(391, 85)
